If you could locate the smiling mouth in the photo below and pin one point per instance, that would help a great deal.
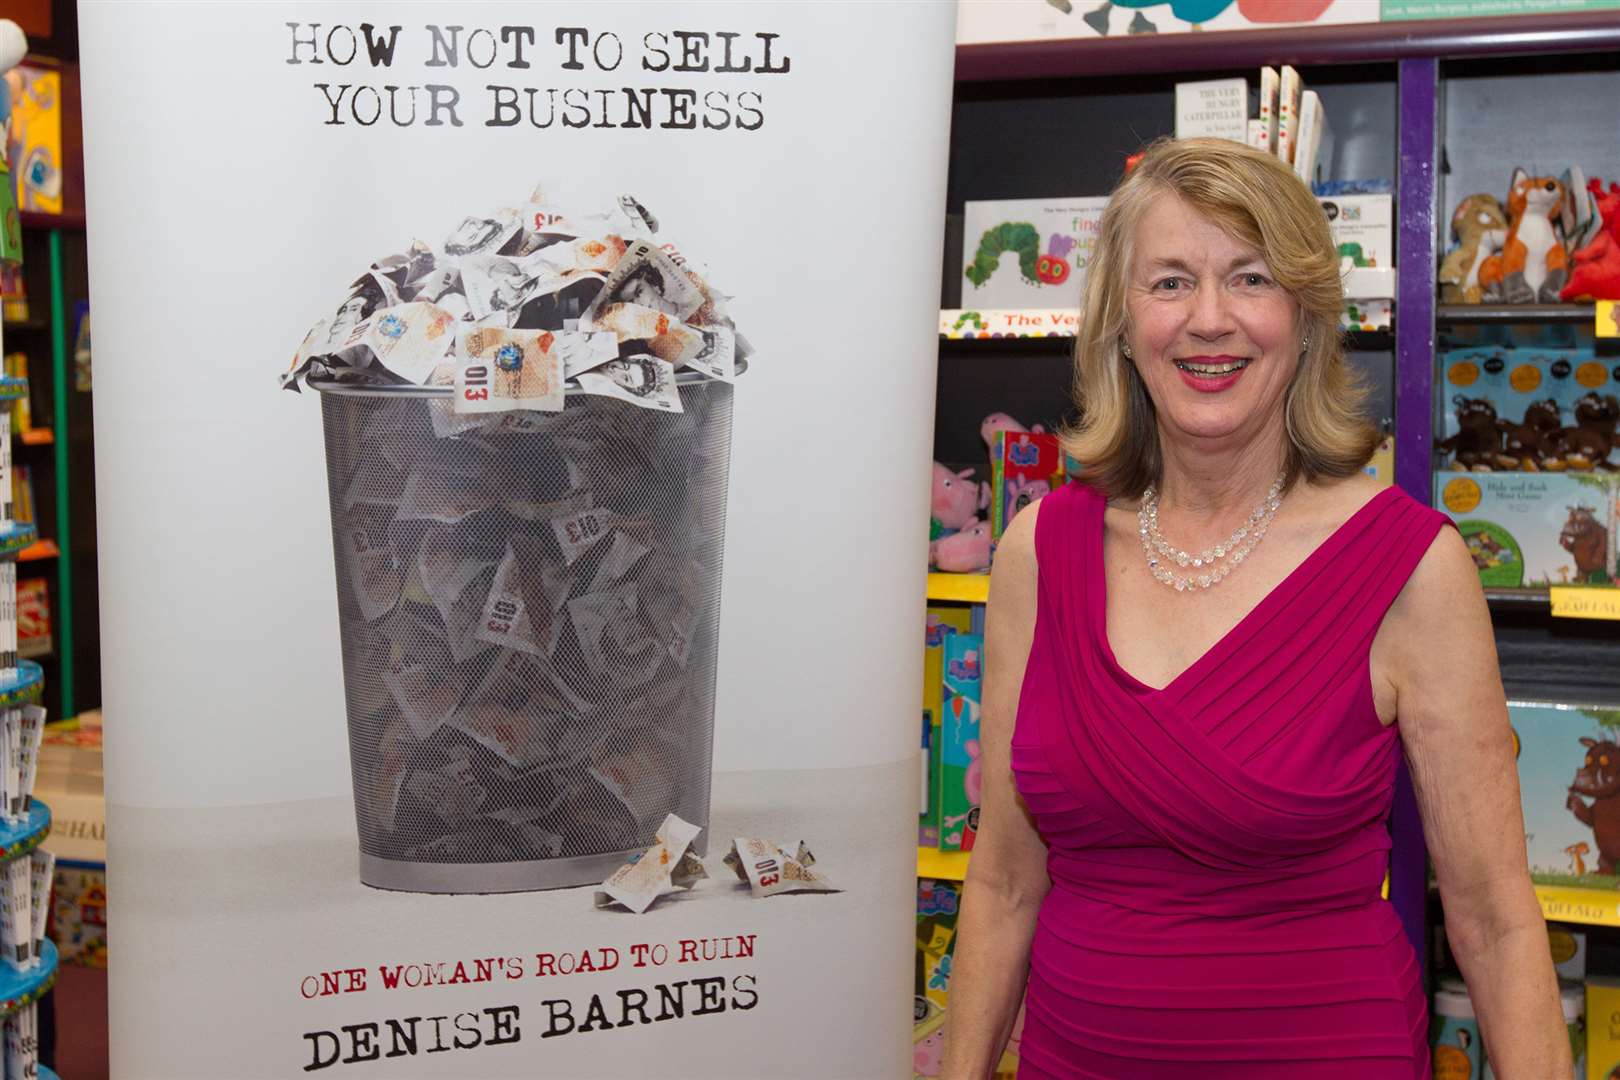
(1223, 367)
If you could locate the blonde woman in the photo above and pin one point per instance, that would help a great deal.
(1203, 663)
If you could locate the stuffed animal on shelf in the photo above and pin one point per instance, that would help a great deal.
(955, 500)
(1533, 264)
(1000, 421)
(1477, 446)
(1588, 444)
(1596, 272)
(966, 551)
(1481, 229)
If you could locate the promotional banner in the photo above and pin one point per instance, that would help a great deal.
(509, 423)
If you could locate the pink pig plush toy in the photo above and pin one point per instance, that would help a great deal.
(1000, 421)
(964, 552)
(956, 499)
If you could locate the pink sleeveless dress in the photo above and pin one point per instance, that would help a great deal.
(1216, 847)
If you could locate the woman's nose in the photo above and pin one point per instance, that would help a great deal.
(1210, 319)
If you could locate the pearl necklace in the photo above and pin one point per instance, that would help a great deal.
(1214, 562)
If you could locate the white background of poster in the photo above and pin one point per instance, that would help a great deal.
(225, 217)
(983, 21)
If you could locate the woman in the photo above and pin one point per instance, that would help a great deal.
(1189, 756)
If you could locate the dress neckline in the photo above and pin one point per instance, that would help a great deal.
(1279, 593)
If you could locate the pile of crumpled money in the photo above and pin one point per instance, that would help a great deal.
(519, 305)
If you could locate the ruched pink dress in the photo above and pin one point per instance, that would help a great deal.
(1217, 846)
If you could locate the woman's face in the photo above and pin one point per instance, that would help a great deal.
(1215, 339)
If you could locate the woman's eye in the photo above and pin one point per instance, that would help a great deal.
(1168, 284)
(1253, 280)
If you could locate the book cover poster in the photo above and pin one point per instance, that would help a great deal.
(1028, 254)
(437, 752)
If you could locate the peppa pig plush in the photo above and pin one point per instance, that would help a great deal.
(1000, 421)
(964, 552)
(955, 500)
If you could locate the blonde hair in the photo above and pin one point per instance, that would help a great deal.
(1257, 199)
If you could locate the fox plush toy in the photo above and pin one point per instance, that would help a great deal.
(1532, 265)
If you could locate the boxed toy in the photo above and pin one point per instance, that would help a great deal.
(1569, 781)
(1531, 530)
(79, 914)
(1363, 228)
(943, 621)
(1536, 409)
(938, 903)
(959, 784)
(1023, 467)
(1602, 1028)
(1028, 253)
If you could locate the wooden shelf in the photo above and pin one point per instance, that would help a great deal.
(949, 865)
(963, 588)
(1510, 314)
(35, 219)
(43, 548)
(26, 324)
(1355, 43)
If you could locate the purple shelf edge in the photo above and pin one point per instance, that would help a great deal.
(1354, 43)
(1416, 241)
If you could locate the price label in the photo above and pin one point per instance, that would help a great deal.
(1584, 603)
(1608, 319)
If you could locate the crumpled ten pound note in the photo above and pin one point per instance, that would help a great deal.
(769, 870)
(665, 867)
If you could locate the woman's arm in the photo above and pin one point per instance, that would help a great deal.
(1006, 877)
(1437, 654)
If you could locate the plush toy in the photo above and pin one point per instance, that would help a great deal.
(1480, 228)
(966, 551)
(955, 499)
(1596, 275)
(1533, 264)
(1588, 444)
(1000, 421)
(1477, 445)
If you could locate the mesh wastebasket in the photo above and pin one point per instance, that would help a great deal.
(529, 606)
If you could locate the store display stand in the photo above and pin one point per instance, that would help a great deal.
(26, 683)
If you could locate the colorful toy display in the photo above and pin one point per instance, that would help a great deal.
(954, 500)
(1024, 466)
(1596, 266)
(1533, 263)
(1569, 781)
(960, 769)
(1532, 531)
(1480, 228)
(944, 620)
(1530, 410)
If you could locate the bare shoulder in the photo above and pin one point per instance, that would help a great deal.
(1443, 586)
(1015, 574)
